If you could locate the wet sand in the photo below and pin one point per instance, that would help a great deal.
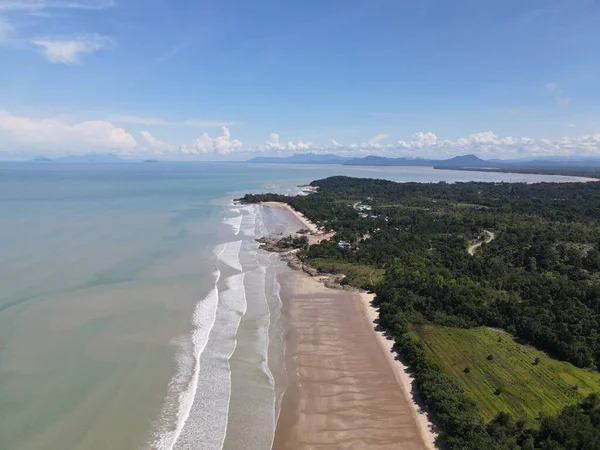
(314, 237)
(305, 222)
(343, 392)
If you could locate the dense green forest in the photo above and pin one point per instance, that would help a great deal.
(539, 279)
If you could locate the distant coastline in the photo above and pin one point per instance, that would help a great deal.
(587, 168)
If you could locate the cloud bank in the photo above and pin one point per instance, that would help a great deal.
(223, 145)
(28, 136)
(55, 135)
(274, 143)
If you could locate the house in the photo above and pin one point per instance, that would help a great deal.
(344, 245)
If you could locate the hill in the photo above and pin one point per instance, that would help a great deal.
(465, 161)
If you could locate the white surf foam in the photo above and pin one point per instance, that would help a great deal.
(201, 391)
(248, 220)
(207, 424)
(203, 321)
(281, 337)
(242, 308)
(261, 229)
(235, 223)
(231, 255)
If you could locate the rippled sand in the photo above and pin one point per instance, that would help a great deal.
(345, 394)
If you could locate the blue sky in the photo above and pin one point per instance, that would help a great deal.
(193, 79)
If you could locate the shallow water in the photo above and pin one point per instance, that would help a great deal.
(136, 310)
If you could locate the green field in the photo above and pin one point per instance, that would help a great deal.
(526, 388)
(356, 275)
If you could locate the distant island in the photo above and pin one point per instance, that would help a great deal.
(546, 166)
(92, 158)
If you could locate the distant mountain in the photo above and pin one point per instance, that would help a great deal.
(458, 161)
(301, 158)
(554, 162)
(465, 161)
(312, 158)
(383, 161)
(549, 165)
(107, 158)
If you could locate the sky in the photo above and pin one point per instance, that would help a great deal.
(229, 79)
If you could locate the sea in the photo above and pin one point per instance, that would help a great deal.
(136, 309)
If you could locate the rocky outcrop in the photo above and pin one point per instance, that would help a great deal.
(292, 257)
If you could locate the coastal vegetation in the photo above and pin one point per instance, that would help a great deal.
(538, 280)
(530, 381)
(361, 276)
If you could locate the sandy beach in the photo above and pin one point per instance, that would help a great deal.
(307, 223)
(401, 372)
(345, 390)
(315, 236)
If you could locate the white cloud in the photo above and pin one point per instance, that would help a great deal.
(274, 143)
(223, 144)
(423, 140)
(485, 144)
(6, 30)
(156, 143)
(58, 136)
(69, 50)
(37, 5)
(375, 142)
(155, 121)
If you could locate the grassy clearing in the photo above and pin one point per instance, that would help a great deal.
(356, 275)
(526, 388)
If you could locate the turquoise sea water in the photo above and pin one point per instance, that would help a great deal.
(135, 308)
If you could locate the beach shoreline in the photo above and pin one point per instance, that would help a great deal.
(315, 234)
(307, 223)
(402, 373)
(317, 408)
